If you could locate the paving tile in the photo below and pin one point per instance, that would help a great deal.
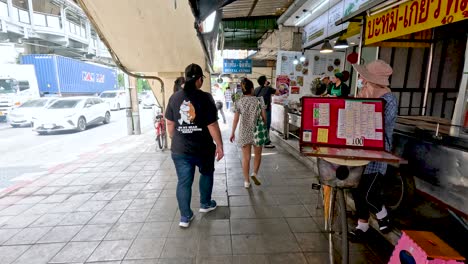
(214, 260)
(124, 231)
(106, 217)
(92, 206)
(77, 218)
(10, 200)
(15, 209)
(10, 253)
(48, 220)
(155, 229)
(4, 219)
(149, 194)
(55, 198)
(294, 211)
(162, 214)
(146, 248)
(28, 236)
(20, 221)
(75, 252)
(312, 242)
(179, 248)
(259, 226)
(139, 204)
(238, 212)
(65, 207)
(60, 234)
(6, 234)
(296, 258)
(134, 216)
(215, 245)
(250, 259)
(144, 261)
(39, 254)
(303, 225)
(104, 196)
(215, 227)
(317, 257)
(261, 244)
(117, 205)
(110, 250)
(268, 211)
(32, 199)
(92, 233)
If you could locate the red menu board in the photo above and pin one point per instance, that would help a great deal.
(342, 122)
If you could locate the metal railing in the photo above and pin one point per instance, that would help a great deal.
(441, 101)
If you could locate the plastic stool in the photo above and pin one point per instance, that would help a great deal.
(422, 247)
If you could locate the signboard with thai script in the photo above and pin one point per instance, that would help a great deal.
(414, 16)
(237, 66)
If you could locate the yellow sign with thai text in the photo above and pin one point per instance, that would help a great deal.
(413, 16)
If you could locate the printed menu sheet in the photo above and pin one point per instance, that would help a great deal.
(357, 122)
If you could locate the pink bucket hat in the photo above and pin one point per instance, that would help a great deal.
(376, 72)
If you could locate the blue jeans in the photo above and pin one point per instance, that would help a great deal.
(185, 168)
(268, 124)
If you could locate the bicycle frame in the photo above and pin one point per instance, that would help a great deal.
(160, 126)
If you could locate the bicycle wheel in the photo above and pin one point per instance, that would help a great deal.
(337, 228)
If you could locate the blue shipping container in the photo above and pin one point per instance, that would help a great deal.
(62, 75)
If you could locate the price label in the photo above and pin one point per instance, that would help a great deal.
(359, 141)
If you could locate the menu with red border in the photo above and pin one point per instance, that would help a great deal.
(342, 122)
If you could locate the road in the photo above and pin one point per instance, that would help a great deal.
(24, 153)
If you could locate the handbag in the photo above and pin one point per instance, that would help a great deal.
(260, 131)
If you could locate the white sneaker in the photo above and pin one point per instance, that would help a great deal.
(247, 185)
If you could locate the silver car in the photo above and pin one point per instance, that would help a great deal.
(22, 115)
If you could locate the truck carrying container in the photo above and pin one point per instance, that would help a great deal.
(68, 77)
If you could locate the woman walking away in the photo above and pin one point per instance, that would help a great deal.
(250, 110)
(373, 83)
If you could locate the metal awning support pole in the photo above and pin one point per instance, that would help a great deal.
(428, 75)
(361, 43)
(458, 114)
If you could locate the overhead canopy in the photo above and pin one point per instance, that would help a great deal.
(245, 22)
(147, 36)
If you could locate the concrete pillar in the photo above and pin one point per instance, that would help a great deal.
(31, 12)
(10, 9)
(88, 35)
(135, 106)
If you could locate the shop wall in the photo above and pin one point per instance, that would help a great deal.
(409, 76)
(298, 79)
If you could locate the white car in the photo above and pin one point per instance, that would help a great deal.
(74, 113)
(149, 101)
(22, 115)
(117, 99)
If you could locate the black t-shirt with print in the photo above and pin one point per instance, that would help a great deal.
(192, 112)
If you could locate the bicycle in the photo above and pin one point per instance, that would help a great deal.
(334, 178)
(160, 128)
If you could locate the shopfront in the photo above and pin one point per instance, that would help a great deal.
(426, 44)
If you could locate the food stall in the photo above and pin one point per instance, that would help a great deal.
(295, 78)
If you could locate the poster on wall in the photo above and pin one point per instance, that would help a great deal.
(327, 64)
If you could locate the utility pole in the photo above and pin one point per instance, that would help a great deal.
(135, 106)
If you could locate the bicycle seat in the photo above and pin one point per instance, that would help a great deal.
(337, 175)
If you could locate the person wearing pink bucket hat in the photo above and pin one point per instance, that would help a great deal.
(373, 83)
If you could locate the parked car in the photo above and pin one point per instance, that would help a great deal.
(22, 115)
(149, 101)
(116, 99)
(73, 113)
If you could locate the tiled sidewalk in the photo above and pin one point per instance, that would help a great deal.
(117, 205)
